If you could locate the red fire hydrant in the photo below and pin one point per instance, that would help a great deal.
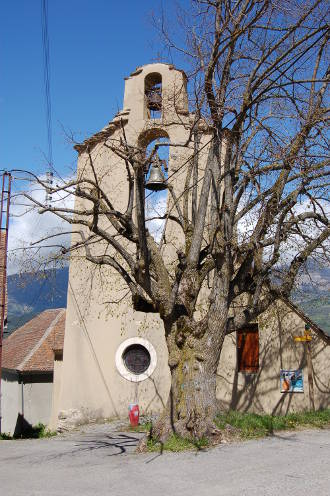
(134, 414)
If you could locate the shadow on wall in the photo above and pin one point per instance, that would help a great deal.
(260, 392)
(321, 382)
(24, 429)
(157, 397)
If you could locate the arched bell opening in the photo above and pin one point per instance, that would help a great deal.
(153, 95)
(156, 191)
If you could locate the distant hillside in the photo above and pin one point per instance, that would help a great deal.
(29, 295)
(318, 310)
(313, 296)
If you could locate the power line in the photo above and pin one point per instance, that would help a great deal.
(48, 102)
(48, 105)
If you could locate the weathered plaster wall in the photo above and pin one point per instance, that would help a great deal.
(37, 399)
(261, 392)
(91, 382)
(57, 381)
(32, 398)
(94, 329)
(10, 401)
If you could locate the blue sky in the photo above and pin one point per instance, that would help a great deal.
(93, 46)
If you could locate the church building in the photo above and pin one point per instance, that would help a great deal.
(114, 356)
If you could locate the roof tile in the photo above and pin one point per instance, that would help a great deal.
(30, 348)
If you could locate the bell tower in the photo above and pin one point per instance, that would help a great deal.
(113, 355)
(156, 92)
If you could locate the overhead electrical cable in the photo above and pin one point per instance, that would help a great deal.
(48, 102)
(48, 105)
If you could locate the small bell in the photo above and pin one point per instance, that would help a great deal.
(156, 180)
(154, 99)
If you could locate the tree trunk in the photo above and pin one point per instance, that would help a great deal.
(192, 404)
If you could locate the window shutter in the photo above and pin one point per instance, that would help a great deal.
(248, 349)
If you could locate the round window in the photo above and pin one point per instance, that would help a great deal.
(136, 358)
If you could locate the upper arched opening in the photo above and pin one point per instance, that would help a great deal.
(156, 175)
(150, 135)
(153, 95)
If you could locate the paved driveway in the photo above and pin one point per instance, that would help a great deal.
(100, 462)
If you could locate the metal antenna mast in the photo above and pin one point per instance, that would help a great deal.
(45, 44)
(4, 224)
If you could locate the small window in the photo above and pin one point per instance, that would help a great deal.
(136, 358)
(248, 349)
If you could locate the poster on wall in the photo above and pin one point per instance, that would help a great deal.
(292, 381)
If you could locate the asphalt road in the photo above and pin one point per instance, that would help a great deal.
(98, 462)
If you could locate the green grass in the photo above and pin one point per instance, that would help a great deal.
(143, 427)
(243, 426)
(251, 425)
(5, 436)
(38, 431)
(176, 443)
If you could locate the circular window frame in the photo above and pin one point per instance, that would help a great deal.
(121, 367)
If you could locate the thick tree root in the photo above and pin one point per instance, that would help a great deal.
(194, 429)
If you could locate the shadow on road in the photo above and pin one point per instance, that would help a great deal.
(291, 438)
(120, 444)
(114, 445)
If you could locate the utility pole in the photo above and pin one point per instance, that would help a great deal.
(4, 224)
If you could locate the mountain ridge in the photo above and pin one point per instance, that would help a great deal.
(30, 293)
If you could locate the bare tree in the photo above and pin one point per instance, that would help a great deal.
(249, 223)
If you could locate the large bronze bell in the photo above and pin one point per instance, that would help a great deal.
(156, 180)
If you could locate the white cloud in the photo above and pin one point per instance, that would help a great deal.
(295, 242)
(156, 205)
(28, 226)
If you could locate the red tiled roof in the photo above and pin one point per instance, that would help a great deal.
(31, 347)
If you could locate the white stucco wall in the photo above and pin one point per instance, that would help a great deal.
(91, 382)
(38, 402)
(56, 393)
(10, 401)
(33, 399)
